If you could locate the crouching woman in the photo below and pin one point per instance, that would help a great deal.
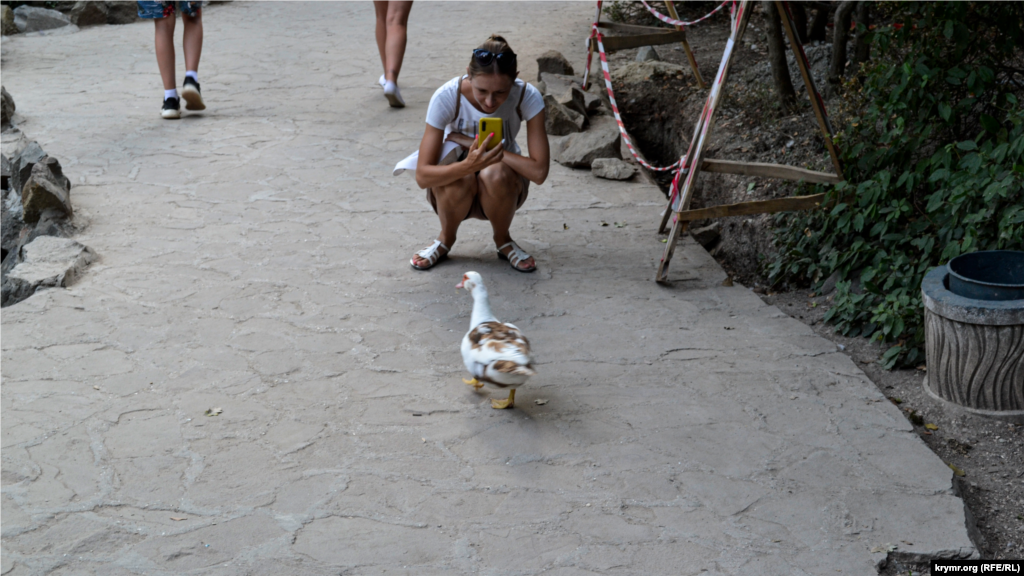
(472, 181)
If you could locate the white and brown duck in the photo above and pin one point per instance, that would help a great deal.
(495, 353)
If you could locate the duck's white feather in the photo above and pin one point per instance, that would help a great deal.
(495, 353)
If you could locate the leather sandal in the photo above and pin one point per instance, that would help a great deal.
(515, 256)
(430, 255)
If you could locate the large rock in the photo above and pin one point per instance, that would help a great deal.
(7, 21)
(559, 83)
(559, 120)
(553, 62)
(89, 13)
(34, 19)
(612, 169)
(601, 140)
(598, 95)
(22, 163)
(647, 54)
(122, 12)
(8, 107)
(48, 262)
(573, 99)
(11, 145)
(708, 235)
(47, 189)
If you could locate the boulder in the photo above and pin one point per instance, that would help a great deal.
(612, 169)
(47, 262)
(7, 21)
(122, 12)
(559, 83)
(11, 145)
(573, 99)
(89, 13)
(8, 107)
(598, 95)
(708, 235)
(553, 62)
(34, 19)
(47, 189)
(560, 120)
(22, 164)
(10, 222)
(580, 150)
(647, 54)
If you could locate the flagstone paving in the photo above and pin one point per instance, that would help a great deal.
(254, 258)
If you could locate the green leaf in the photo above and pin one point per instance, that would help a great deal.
(967, 145)
(945, 110)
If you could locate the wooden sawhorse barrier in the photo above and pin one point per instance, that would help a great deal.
(679, 201)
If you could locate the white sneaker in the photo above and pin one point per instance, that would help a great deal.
(171, 109)
(393, 95)
(382, 81)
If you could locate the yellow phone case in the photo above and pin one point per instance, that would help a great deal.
(488, 125)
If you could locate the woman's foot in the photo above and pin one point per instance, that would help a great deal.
(519, 260)
(393, 95)
(428, 257)
(382, 81)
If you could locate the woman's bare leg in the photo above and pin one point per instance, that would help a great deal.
(397, 24)
(499, 194)
(192, 39)
(165, 50)
(453, 204)
(380, 7)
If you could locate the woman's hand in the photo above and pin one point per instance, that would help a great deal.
(479, 157)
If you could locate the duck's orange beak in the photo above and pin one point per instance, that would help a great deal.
(459, 285)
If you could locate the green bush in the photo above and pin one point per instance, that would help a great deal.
(934, 161)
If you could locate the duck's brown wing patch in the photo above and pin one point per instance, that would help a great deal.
(495, 336)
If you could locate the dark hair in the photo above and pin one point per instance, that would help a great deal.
(495, 45)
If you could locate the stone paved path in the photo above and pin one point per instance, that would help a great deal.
(254, 258)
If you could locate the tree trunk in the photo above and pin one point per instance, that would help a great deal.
(837, 69)
(799, 20)
(819, 24)
(777, 56)
(861, 46)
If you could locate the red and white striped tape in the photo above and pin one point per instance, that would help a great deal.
(615, 110)
(674, 22)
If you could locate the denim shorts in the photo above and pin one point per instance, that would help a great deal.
(157, 10)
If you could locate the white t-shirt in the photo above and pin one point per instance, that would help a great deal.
(441, 111)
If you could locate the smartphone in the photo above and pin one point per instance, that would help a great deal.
(488, 125)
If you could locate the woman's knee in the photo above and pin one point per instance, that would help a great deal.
(499, 179)
(456, 192)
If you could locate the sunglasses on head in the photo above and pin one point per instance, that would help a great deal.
(506, 60)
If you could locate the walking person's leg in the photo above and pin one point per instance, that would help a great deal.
(163, 25)
(380, 8)
(192, 43)
(396, 25)
(500, 189)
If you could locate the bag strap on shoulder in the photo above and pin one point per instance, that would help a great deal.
(458, 99)
(519, 105)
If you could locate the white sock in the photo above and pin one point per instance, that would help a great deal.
(382, 81)
(192, 74)
(172, 93)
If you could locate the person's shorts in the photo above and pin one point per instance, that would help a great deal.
(157, 10)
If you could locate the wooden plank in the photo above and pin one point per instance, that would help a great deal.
(591, 48)
(686, 47)
(768, 171)
(613, 43)
(756, 207)
(704, 126)
(633, 28)
(812, 93)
